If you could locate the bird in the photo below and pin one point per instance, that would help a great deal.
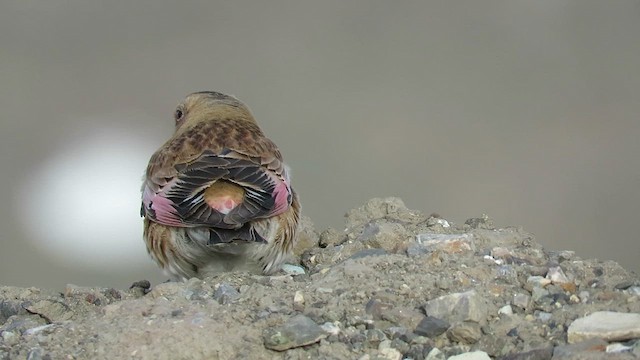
(217, 195)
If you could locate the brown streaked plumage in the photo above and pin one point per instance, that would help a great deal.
(217, 195)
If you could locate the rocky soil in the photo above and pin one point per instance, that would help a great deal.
(395, 284)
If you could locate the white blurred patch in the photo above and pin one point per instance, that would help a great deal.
(82, 205)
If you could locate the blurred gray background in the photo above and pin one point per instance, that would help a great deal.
(525, 110)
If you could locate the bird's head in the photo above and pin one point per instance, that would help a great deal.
(209, 106)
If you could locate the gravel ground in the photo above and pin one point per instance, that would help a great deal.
(395, 284)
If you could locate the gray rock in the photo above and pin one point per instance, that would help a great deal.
(581, 349)
(368, 252)
(330, 237)
(431, 327)
(298, 331)
(506, 273)
(483, 222)
(521, 300)
(225, 294)
(400, 345)
(435, 354)
(448, 243)
(544, 316)
(625, 284)
(407, 317)
(557, 276)
(10, 338)
(387, 354)
(50, 310)
(465, 333)
(544, 353)
(9, 308)
(537, 281)
(395, 332)
(466, 306)
(35, 354)
(538, 295)
(375, 336)
(608, 325)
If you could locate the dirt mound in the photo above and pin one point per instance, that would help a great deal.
(394, 284)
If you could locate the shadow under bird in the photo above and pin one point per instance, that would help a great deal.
(217, 195)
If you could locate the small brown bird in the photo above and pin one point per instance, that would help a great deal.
(217, 195)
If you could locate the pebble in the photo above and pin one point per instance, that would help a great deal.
(537, 294)
(521, 300)
(618, 347)
(10, 338)
(537, 281)
(584, 296)
(435, 354)
(505, 310)
(35, 354)
(465, 333)
(368, 252)
(298, 331)
(431, 327)
(544, 316)
(608, 325)
(225, 294)
(580, 350)
(506, 273)
(395, 332)
(543, 353)
(376, 307)
(293, 269)
(298, 301)
(375, 336)
(474, 355)
(557, 276)
(388, 354)
(330, 328)
(624, 285)
(448, 243)
(466, 306)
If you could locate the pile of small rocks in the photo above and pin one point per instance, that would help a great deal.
(395, 284)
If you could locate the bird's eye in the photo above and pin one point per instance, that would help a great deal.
(178, 115)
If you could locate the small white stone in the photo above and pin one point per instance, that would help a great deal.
(505, 310)
(37, 329)
(331, 328)
(298, 300)
(474, 355)
(293, 269)
(584, 296)
(557, 276)
(617, 347)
